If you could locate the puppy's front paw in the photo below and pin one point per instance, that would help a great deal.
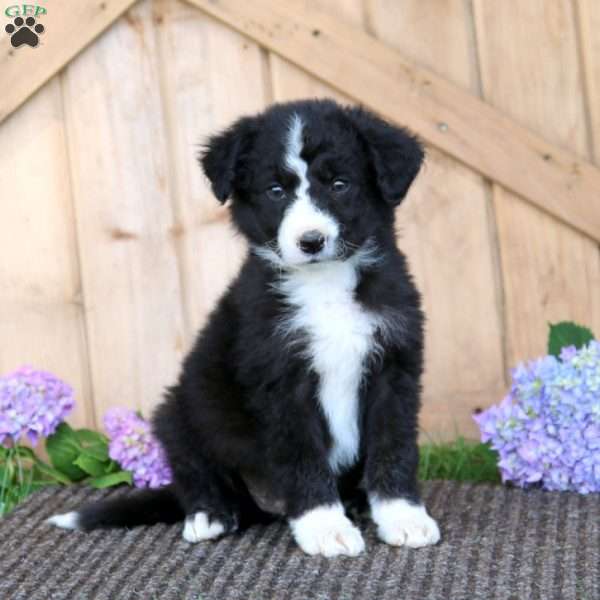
(197, 528)
(327, 531)
(401, 523)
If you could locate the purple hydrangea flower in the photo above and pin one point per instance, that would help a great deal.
(117, 420)
(547, 429)
(32, 403)
(134, 447)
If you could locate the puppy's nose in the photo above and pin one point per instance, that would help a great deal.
(311, 241)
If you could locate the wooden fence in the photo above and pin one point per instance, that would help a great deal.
(112, 250)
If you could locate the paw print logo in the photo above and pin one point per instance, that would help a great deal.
(24, 32)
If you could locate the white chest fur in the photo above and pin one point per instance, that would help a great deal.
(340, 336)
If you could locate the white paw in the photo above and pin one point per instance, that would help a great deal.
(327, 531)
(401, 523)
(68, 520)
(197, 528)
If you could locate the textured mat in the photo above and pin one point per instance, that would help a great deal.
(497, 543)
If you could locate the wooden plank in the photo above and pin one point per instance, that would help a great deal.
(588, 22)
(210, 75)
(290, 82)
(122, 194)
(587, 13)
(432, 35)
(447, 228)
(69, 27)
(447, 117)
(41, 316)
(529, 62)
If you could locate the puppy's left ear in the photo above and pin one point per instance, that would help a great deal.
(396, 155)
(222, 158)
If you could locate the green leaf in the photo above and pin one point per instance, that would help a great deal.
(64, 437)
(97, 449)
(99, 453)
(94, 444)
(90, 465)
(6, 474)
(112, 479)
(66, 432)
(63, 449)
(87, 436)
(54, 474)
(567, 333)
(112, 467)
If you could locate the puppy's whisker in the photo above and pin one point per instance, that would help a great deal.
(351, 245)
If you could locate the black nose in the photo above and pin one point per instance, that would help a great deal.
(311, 242)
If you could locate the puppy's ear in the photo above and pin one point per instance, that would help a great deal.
(396, 155)
(222, 157)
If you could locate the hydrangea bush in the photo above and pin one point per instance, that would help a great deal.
(135, 448)
(547, 429)
(32, 405)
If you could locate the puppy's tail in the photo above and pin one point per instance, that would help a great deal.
(143, 507)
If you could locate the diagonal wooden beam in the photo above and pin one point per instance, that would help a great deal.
(69, 27)
(444, 115)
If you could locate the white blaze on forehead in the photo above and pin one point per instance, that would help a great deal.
(302, 215)
(293, 160)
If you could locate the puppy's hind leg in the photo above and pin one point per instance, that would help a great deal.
(203, 487)
(211, 506)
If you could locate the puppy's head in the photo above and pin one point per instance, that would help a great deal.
(312, 181)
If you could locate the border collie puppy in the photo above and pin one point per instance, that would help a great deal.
(300, 396)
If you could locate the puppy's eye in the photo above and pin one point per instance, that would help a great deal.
(340, 186)
(276, 192)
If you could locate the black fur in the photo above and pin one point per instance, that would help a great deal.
(243, 421)
(144, 507)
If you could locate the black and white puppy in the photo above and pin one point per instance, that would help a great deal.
(301, 393)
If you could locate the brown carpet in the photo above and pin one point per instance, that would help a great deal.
(498, 543)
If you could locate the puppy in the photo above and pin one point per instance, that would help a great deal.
(301, 394)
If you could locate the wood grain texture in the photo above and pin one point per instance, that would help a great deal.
(530, 69)
(210, 75)
(119, 166)
(69, 27)
(290, 82)
(587, 13)
(447, 228)
(41, 316)
(367, 70)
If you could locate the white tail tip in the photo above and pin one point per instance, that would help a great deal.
(69, 520)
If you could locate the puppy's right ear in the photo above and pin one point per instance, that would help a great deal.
(222, 157)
